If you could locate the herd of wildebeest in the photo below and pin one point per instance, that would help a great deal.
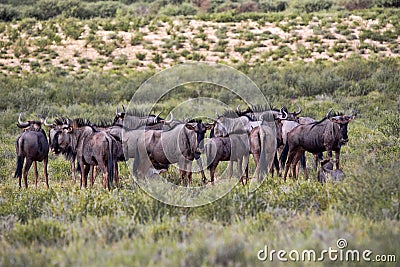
(277, 139)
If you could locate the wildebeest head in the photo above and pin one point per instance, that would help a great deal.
(119, 116)
(57, 139)
(30, 125)
(200, 129)
(343, 120)
(292, 116)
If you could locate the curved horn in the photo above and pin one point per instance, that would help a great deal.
(238, 109)
(116, 111)
(329, 113)
(123, 108)
(216, 113)
(22, 123)
(47, 124)
(41, 120)
(299, 110)
(286, 115)
(156, 118)
(170, 120)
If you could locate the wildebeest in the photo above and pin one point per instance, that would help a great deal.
(264, 114)
(328, 134)
(234, 147)
(92, 148)
(33, 146)
(326, 172)
(58, 126)
(229, 142)
(134, 127)
(247, 136)
(263, 144)
(179, 144)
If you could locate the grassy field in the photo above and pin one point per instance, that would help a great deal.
(85, 68)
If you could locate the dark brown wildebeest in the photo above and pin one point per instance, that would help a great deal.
(329, 135)
(134, 126)
(263, 113)
(328, 173)
(33, 146)
(247, 136)
(58, 125)
(179, 144)
(232, 148)
(92, 148)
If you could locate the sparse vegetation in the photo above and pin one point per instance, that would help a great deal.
(84, 58)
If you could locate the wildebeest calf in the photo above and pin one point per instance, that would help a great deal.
(328, 173)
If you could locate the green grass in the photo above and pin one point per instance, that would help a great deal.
(69, 226)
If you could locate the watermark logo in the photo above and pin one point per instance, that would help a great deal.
(340, 253)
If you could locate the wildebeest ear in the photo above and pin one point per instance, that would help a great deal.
(335, 119)
(191, 126)
(209, 126)
(68, 129)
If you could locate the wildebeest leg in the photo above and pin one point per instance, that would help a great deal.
(73, 169)
(240, 169)
(86, 171)
(28, 165)
(36, 174)
(337, 156)
(213, 167)
(82, 166)
(246, 166)
(188, 171)
(203, 175)
(315, 161)
(256, 160)
(45, 161)
(116, 174)
(230, 169)
(92, 175)
(289, 161)
(295, 164)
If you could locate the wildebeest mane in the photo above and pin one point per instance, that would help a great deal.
(61, 120)
(80, 122)
(103, 123)
(260, 108)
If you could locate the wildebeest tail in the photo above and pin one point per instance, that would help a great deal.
(284, 154)
(110, 167)
(210, 150)
(263, 159)
(303, 161)
(20, 159)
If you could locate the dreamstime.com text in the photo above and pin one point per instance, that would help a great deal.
(338, 254)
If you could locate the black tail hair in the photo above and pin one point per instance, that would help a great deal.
(276, 162)
(303, 161)
(20, 164)
(284, 154)
(20, 159)
(110, 164)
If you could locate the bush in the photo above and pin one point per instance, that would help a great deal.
(356, 4)
(44, 9)
(9, 13)
(313, 5)
(247, 7)
(185, 9)
(387, 3)
(272, 6)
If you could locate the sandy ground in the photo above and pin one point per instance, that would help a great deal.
(265, 39)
